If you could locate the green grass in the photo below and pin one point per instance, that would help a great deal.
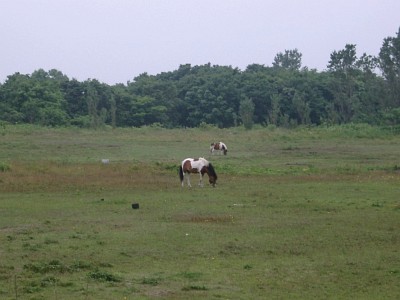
(300, 214)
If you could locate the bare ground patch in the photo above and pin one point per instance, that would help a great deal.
(193, 218)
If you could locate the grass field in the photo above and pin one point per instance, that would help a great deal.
(296, 214)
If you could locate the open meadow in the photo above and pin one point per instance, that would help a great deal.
(308, 213)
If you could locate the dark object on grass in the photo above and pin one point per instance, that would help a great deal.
(135, 205)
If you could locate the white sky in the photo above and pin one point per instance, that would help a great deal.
(116, 40)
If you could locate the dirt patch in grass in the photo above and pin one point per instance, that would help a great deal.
(191, 218)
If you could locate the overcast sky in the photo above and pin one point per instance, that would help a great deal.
(115, 41)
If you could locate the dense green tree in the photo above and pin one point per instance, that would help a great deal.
(301, 108)
(76, 105)
(35, 99)
(310, 96)
(290, 60)
(274, 113)
(389, 63)
(246, 112)
(14, 92)
(210, 94)
(344, 68)
(259, 84)
(124, 102)
(96, 115)
(343, 61)
(373, 94)
(99, 99)
(161, 97)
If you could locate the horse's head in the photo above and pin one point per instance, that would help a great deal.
(212, 180)
(212, 176)
(225, 151)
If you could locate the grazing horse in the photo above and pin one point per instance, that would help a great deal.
(220, 146)
(200, 166)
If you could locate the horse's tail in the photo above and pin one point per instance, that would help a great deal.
(181, 173)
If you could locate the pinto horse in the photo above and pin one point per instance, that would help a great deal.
(220, 146)
(200, 166)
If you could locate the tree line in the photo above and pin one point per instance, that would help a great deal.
(352, 89)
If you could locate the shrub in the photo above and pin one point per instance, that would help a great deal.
(103, 276)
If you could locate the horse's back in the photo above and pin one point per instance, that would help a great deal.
(194, 163)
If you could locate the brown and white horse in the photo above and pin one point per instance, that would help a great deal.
(220, 146)
(199, 166)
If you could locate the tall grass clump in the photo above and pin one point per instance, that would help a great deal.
(4, 167)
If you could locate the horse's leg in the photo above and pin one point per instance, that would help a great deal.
(201, 180)
(188, 180)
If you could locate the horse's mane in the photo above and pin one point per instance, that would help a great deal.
(211, 170)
